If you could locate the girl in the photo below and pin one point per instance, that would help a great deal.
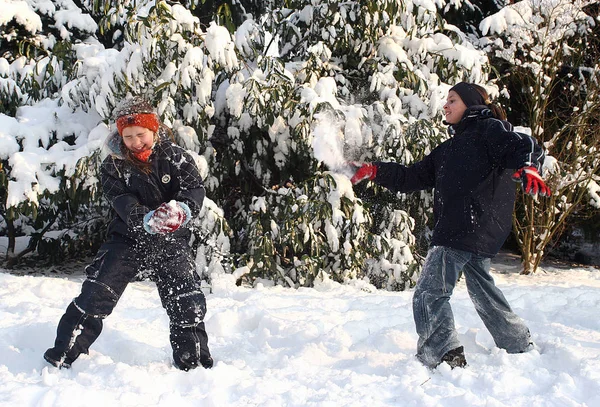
(472, 173)
(154, 189)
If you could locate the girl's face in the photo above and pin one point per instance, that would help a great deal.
(454, 108)
(138, 139)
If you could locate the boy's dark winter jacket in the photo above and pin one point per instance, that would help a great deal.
(133, 193)
(471, 173)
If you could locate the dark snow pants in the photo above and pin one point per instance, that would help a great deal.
(119, 262)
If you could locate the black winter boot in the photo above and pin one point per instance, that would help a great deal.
(455, 357)
(190, 347)
(186, 361)
(57, 358)
(75, 333)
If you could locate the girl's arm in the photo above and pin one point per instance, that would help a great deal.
(400, 178)
(125, 203)
(519, 152)
(191, 191)
(511, 149)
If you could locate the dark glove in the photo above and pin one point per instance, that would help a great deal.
(532, 182)
(363, 171)
(167, 218)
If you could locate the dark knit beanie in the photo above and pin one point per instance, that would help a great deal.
(136, 111)
(468, 94)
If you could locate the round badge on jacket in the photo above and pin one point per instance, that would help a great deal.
(166, 178)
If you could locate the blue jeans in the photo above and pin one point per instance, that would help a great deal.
(433, 315)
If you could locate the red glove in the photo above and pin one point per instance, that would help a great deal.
(364, 171)
(531, 181)
(167, 218)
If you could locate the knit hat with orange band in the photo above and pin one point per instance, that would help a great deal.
(147, 120)
(136, 111)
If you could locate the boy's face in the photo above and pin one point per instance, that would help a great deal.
(454, 108)
(138, 139)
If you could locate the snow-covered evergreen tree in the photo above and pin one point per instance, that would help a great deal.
(47, 165)
(552, 49)
(55, 128)
(273, 108)
(338, 82)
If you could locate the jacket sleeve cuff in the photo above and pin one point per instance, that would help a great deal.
(147, 221)
(188, 212)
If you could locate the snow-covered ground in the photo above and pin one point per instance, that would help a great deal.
(335, 345)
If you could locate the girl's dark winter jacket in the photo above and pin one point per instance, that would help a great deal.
(133, 193)
(131, 253)
(471, 173)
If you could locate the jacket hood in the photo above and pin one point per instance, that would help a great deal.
(113, 143)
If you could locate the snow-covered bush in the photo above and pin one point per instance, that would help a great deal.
(349, 81)
(281, 104)
(296, 233)
(552, 49)
(54, 129)
(47, 171)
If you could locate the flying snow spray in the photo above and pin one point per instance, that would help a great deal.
(328, 145)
